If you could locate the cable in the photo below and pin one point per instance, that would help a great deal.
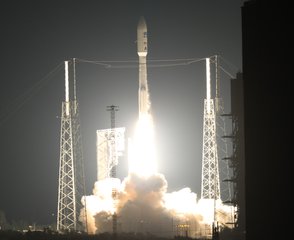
(231, 65)
(225, 71)
(22, 99)
(93, 62)
(107, 64)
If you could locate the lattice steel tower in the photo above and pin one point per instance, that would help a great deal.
(222, 137)
(71, 185)
(112, 110)
(210, 186)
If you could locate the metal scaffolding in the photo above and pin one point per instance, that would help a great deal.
(112, 110)
(107, 153)
(210, 187)
(223, 150)
(71, 185)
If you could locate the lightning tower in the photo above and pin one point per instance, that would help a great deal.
(112, 110)
(71, 170)
(210, 186)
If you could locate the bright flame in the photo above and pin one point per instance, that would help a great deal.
(142, 159)
(142, 198)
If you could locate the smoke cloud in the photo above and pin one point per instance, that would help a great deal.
(143, 205)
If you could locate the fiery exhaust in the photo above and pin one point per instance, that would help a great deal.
(143, 203)
(142, 157)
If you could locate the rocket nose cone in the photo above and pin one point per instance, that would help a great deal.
(142, 37)
(142, 23)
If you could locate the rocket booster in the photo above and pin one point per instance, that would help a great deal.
(144, 103)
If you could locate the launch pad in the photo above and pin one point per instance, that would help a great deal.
(143, 193)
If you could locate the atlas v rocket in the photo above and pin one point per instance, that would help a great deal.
(144, 103)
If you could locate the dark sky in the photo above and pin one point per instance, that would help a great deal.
(37, 36)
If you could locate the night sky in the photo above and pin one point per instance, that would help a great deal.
(38, 36)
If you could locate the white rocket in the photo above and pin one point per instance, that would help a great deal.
(144, 103)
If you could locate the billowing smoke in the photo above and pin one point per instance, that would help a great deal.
(142, 203)
(142, 208)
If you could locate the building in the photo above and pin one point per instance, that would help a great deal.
(266, 73)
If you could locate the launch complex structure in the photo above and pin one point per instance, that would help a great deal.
(71, 185)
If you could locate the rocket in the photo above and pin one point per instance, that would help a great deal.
(144, 103)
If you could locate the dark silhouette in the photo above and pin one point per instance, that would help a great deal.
(267, 73)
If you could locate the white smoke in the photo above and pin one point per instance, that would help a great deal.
(142, 203)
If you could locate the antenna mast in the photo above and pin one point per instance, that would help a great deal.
(112, 110)
(210, 176)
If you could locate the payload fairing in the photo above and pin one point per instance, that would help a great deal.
(144, 103)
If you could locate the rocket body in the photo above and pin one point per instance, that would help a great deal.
(144, 103)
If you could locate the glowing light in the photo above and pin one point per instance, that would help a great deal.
(181, 202)
(142, 157)
(142, 196)
(214, 210)
(66, 88)
(208, 83)
(100, 201)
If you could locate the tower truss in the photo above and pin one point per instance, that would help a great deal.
(224, 155)
(71, 185)
(210, 186)
(107, 152)
(223, 150)
(112, 110)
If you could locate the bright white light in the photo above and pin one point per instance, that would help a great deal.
(142, 157)
(181, 202)
(208, 83)
(100, 201)
(206, 208)
(66, 88)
